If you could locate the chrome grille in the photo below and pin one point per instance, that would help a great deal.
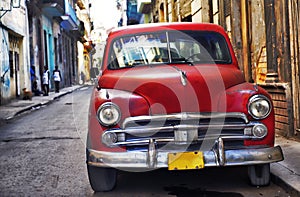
(183, 128)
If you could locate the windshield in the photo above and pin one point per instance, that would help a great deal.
(169, 47)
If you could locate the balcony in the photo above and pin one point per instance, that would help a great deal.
(69, 19)
(79, 33)
(53, 8)
(144, 6)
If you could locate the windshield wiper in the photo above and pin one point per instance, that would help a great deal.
(134, 63)
(181, 60)
(222, 61)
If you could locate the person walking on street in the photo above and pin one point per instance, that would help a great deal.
(56, 78)
(46, 77)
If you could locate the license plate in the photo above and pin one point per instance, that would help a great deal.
(185, 161)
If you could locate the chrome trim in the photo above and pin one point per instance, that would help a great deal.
(221, 152)
(166, 140)
(171, 140)
(140, 160)
(150, 130)
(151, 161)
(146, 133)
(183, 116)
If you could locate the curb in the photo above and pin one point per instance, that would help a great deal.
(286, 186)
(38, 105)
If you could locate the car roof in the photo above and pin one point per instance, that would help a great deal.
(150, 27)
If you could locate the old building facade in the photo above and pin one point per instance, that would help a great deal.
(54, 30)
(35, 34)
(86, 48)
(266, 38)
(14, 58)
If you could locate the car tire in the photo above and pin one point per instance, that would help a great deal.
(259, 175)
(102, 179)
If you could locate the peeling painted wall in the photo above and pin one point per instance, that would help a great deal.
(4, 66)
(258, 41)
(14, 28)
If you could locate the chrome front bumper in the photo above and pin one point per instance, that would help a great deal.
(153, 158)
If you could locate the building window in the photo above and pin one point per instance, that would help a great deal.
(17, 67)
(11, 64)
(227, 7)
(59, 47)
(216, 13)
(55, 51)
(45, 49)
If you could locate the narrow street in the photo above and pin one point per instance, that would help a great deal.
(43, 154)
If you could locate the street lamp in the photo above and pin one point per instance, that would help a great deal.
(7, 5)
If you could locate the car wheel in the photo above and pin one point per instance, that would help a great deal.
(102, 179)
(259, 175)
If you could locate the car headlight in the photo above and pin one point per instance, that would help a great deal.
(259, 106)
(109, 114)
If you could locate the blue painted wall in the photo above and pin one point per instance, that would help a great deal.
(49, 41)
(5, 82)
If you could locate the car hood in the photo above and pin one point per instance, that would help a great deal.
(176, 88)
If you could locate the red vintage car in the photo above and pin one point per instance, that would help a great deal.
(171, 95)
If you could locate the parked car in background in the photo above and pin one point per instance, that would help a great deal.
(171, 95)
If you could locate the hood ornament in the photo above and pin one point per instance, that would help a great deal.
(183, 76)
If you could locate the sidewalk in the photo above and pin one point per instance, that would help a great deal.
(19, 106)
(285, 173)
